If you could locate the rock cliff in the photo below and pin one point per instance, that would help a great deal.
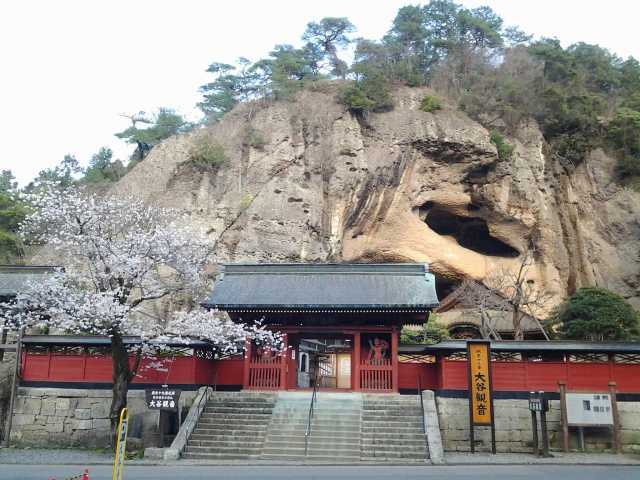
(404, 185)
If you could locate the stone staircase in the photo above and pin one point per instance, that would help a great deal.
(335, 431)
(392, 429)
(233, 425)
(347, 428)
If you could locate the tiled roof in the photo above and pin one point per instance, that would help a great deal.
(324, 286)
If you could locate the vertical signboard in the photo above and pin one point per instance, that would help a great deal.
(121, 445)
(480, 392)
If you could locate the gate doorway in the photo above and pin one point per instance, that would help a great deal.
(324, 360)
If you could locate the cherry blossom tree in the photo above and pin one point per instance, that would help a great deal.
(119, 254)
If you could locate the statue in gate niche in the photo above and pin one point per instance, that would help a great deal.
(378, 351)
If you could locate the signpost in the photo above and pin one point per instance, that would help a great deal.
(480, 390)
(121, 444)
(164, 399)
(539, 404)
(595, 409)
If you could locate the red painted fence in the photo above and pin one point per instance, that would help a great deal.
(82, 366)
(87, 366)
(524, 375)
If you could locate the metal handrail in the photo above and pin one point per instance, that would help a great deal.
(314, 399)
(424, 419)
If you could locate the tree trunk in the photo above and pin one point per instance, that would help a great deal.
(121, 379)
(517, 330)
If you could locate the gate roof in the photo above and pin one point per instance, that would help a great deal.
(332, 287)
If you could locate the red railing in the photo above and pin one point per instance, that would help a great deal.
(376, 377)
(264, 372)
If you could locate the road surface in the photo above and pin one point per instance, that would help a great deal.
(464, 472)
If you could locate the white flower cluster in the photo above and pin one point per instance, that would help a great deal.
(118, 254)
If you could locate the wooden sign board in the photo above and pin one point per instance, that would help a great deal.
(480, 382)
(162, 399)
(589, 409)
(480, 391)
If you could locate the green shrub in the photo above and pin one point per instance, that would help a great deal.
(623, 133)
(596, 314)
(430, 104)
(206, 154)
(254, 138)
(354, 98)
(429, 333)
(505, 150)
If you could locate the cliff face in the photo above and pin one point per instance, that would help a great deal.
(401, 186)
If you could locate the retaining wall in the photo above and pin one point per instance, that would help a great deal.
(513, 427)
(79, 418)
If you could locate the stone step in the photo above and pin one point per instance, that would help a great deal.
(217, 456)
(348, 443)
(322, 415)
(235, 436)
(390, 415)
(239, 410)
(382, 424)
(317, 424)
(401, 412)
(377, 442)
(233, 402)
(393, 460)
(298, 437)
(212, 428)
(394, 455)
(205, 420)
(222, 449)
(311, 458)
(227, 442)
(399, 430)
(394, 448)
(235, 416)
(329, 452)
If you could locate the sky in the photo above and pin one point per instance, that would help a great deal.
(70, 69)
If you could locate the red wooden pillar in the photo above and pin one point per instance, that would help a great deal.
(284, 362)
(394, 359)
(247, 362)
(356, 361)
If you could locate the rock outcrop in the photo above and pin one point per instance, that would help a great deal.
(404, 185)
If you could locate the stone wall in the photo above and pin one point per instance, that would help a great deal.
(79, 418)
(513, 427)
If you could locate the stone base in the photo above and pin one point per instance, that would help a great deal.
(513, 428)
(63, 417)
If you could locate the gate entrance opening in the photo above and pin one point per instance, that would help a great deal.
(325, 361)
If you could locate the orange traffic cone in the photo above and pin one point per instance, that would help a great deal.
(85, 475)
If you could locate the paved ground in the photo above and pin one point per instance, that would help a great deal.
(35, 456)
(463, 472)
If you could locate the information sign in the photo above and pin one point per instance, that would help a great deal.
(162, 398)
(480, 393)
(589, 409)
(480, 390)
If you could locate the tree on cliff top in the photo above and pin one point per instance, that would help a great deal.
(596, 314)
(164, 124)
(119, 254)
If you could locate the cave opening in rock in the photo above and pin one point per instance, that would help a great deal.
(444, 286)
(470, 232)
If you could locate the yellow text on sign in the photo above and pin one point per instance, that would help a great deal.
(479, 388)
